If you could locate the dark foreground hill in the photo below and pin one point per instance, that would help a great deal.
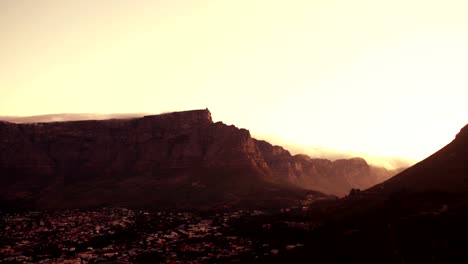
(418, 216)
(180, 159)
(444, 171)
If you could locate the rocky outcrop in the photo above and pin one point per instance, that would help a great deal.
(180, 158)
(335, 177)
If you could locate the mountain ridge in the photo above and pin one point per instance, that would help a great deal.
(173, 158)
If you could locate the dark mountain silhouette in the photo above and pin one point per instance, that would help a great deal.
(444, 171)
(418, 216)
(440, 179)
(174, 159)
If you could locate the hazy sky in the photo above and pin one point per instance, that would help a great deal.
(386, 77)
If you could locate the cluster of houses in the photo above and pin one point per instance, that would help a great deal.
(126, 236)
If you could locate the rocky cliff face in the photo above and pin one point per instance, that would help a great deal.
(335, 177)
(180, 158)
(116, 161)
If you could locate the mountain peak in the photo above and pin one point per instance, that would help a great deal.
(444, 171)
(463, 132)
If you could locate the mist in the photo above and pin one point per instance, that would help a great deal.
(67, 117)
(390, 163)
(387, 162)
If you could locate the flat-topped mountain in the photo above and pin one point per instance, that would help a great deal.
(168, 158)
(176, 159)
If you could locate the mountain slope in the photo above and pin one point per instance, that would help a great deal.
(445, 171)
(418, 216)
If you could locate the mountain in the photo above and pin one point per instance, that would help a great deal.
(439, 180)
(418, 216)
(336, 177)
(173, 159)
(444, 171)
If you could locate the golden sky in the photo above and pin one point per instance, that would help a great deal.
(369, 76)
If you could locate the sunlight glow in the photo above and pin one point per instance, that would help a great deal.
(378, 77)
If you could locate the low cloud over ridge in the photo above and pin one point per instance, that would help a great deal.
(67, 117)
(312, 151)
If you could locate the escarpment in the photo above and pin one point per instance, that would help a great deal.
(335, 177)
(154, 159)
(181, 158)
